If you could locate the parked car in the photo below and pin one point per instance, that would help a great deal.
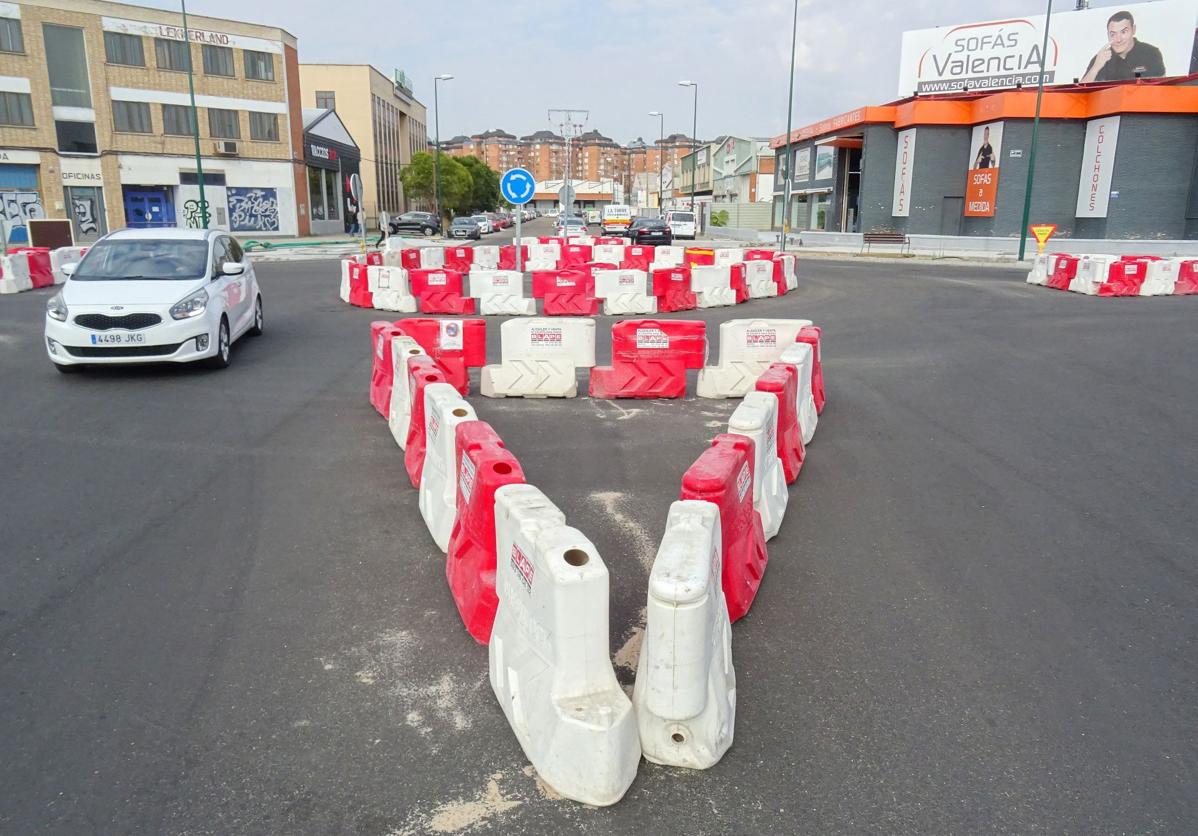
(422, 223)
(570, 226)
(593, 216)
(497, 223)
(154, 295)
(465, 227)
(484, 224)
(650, 231)
(682, 224)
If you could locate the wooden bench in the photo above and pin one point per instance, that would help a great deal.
(898, 238)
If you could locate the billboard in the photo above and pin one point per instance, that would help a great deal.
(985, 154)
(802, 165)
(904, 168)
(1098, 164)
(1112, 43)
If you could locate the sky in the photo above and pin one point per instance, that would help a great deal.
(513, 60)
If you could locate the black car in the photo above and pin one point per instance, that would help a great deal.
(650, 231)
(421, 223)
(464, 227)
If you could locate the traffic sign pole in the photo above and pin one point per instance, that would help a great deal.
(518, 187)
(519, 249)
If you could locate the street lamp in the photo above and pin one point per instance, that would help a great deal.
(694, 140)
(195, 119)
(790, 103)
(1031, 161)
(437, 140)
(661, 163)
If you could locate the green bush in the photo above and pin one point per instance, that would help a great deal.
(719, 218)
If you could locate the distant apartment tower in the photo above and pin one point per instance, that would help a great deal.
(385, 119)
(96, 124)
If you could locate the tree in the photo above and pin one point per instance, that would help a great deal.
(484, 195)
(456, 183)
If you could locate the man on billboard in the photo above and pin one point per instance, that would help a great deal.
(1124, 57)
(985, 155)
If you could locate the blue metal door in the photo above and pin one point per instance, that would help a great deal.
(148, 207)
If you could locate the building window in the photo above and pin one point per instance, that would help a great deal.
(66, 62)
(76, 137)
(316, 193)
(16, 109)
(127, 50)
(131, 117)
(171, 55)
(176, 120)
(259, 65)
(218, 60)
(223, 124)
(264, 127)
(326, 99)
(10, 36)
(332, 194)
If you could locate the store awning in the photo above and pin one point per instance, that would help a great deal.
(841, 141)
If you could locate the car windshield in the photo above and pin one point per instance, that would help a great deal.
(464, 222)
(143, 258)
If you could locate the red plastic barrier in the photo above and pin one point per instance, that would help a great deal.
(359, 286)
(483, 466)
(549, 239)
(759, 255)
(782, 380)
(610, 239)
(410, 258)
(422, 370)
(459, 258)
(699, 256)
(381, 332)
(1063, 272)
(507, 256)
(723, 474)
(1141, 258)
(1125, 277)
(672, 287)
(650, 358)
(572, 293)
(812, 334)
(737, 281)
(456, 345)
(780, 275)
(40, 272)
(446, 303)
(439, 280)
(637, 258)
(574, 255)
(375, 258)
(1187, 279)
(552, 281)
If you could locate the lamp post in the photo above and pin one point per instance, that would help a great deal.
(790, 101)
(694, 140)
(661, 162)
(437, 141)
(195, 119)
(1031, 157)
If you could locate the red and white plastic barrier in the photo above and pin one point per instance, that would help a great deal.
(501, 292)
(759, 279)
(650, 358)
(390, 290)
(68, 255)
(1109, 275)
(624, 292)
(399, 408)
(672, 287)
(381, 372)
(685, 692)
(444, 410)
(539, 358)
(456, 344)
(782, 381)
(550, 666)
(747, 348)
(14, 273)
(422, 372)
(757, 419)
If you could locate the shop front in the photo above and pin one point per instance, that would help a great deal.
(331, 158)
(20, 192)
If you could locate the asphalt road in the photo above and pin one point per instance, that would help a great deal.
(220, 611)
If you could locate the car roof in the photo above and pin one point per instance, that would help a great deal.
(159, 234)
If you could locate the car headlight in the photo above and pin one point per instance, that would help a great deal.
(56, 308)
(191, 306)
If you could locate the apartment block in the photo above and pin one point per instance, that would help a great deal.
(96, 120)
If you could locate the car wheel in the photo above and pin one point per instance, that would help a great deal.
(428, 230)
(256, 328)
(64, 369)
(223, 347)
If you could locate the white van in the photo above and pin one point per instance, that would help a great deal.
(616, 219)
(682, 224)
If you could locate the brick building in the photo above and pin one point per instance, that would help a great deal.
(95, 120)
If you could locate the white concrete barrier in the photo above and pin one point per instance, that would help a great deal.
(668, 256)
(432, 258)
(390, 288)
(1161, 277)
(757, 418)
(685, 692)
(629, 303)
(729, 255)
(802, 357)
(1092, 271)
(719, 297)
(399, 409)
(790, 270)
(545, 252)
(608, 254)
(540, 264)
(444, 409)
(343, 292)
(1042, 267)
(500, 293)
(14, 273)
(549, 658)
(620, 283)
(747, 347)
(72, 255)
(486, 256)
(539, 357)
(759, 276)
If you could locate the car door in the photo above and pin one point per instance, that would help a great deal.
(248, 282)
(224, 287)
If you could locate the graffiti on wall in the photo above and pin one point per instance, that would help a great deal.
(253, 210)
(85, 214)
(18, 207)
(193, 213)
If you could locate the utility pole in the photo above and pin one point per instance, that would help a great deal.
(790, 103)
(195, 119)
(1031, 161)
(437, 140)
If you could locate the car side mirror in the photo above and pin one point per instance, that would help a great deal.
(232, 268)
(68, 270)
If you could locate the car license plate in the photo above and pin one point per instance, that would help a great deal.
(118, 338)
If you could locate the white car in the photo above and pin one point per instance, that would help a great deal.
(570, 227)
(682, 224)
(151, 296)
(484, 224)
